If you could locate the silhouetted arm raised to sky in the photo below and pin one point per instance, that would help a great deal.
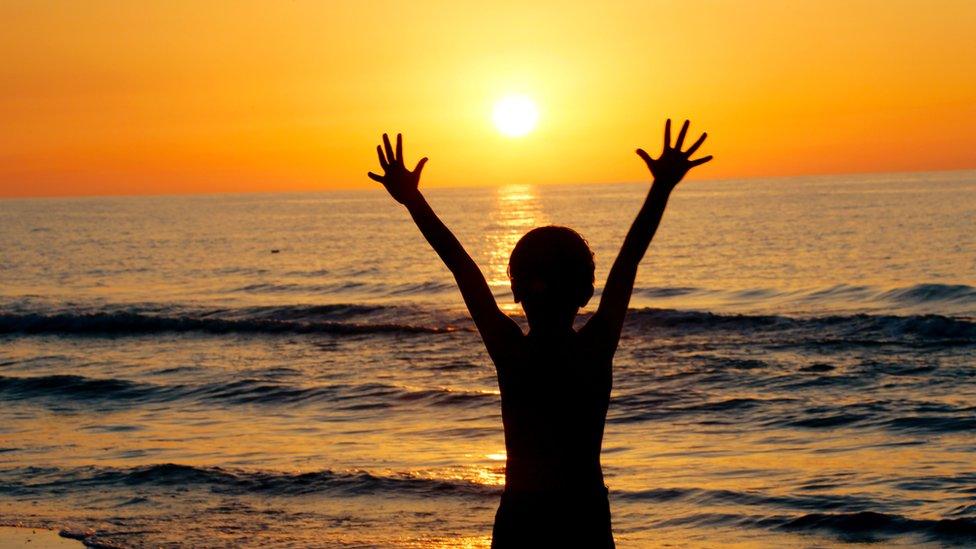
(668, 169)
(403, 185)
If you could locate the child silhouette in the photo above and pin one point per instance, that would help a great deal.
(555, 381)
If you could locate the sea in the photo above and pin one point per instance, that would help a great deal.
(797, 369)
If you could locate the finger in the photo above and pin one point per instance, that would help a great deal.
(420, 166)
(647, 158)
(700, 161)
(694, 147)
(374, 177)
(681, 135)
(399, 150)
(667, 134)
(383, 163)
(389, 149)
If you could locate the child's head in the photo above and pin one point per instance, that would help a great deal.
(551, 270)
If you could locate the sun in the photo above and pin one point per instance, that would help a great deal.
(515, 115)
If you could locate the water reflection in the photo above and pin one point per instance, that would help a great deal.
(455, 542)
(517, 210)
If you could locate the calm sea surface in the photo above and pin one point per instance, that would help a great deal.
(798, 368)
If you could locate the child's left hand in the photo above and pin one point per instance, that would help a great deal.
(401, 183)
(669, 168)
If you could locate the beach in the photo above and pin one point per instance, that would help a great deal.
(796, 368)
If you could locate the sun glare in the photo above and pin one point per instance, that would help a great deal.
(515, 115)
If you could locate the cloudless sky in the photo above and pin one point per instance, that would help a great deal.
(125, 97)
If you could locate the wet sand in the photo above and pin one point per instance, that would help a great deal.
(35, 538)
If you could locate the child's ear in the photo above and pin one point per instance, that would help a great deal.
(586, 295)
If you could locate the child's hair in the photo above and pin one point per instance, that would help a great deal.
(554, 260)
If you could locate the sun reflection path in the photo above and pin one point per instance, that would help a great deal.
(517, 210)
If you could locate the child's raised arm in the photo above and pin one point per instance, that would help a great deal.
(403, 185)
(667, 169)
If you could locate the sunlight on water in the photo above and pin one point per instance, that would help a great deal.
(517, 210)
(474, 542)
(494, 476)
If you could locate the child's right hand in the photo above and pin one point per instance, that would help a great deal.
(401, 183)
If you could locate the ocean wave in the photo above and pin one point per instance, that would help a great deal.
(63, 389)
(871, 526)
(659, 405)
(120, 323)
(846, 516)
(74, 387)
(331, 311)
(347, 287)
(854, 329)
(853, 526)
(55, 481)
(669, 291)
(366, 318)
(932, 293)
(666, 402)
(848, 295)
(703, 497)
(936, 424)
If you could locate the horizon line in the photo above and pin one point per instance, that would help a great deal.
(473, 186)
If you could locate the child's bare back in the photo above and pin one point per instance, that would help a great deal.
(555, 381)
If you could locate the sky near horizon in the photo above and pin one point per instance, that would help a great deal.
(118, 97)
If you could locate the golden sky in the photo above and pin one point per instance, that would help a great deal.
(130, 97)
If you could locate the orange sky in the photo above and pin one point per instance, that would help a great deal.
(192, 96)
